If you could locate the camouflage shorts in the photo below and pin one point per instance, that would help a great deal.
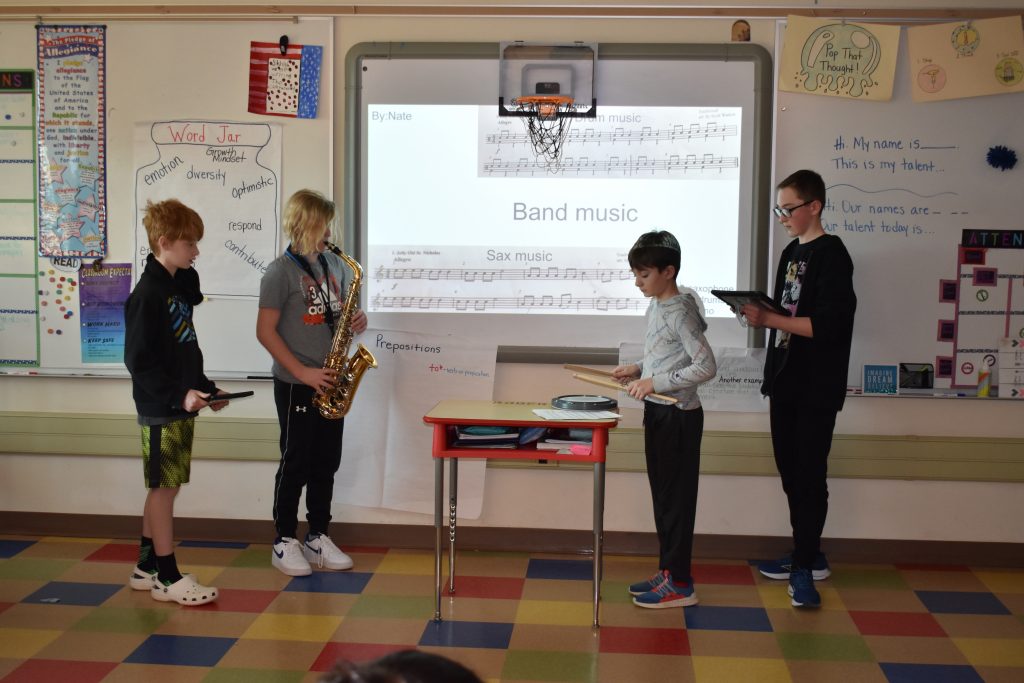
(167, 453)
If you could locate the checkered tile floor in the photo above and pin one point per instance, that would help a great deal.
(66, 614)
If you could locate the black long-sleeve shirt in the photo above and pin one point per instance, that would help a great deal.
(161, 350)
(818, 278)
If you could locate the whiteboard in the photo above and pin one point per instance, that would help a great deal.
(469, 258)
(904, 179)
(167, 70)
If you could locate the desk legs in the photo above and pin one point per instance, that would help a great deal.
(453, 471)
(598, 534)
(438, 528)
(599, 485)
(453, 496)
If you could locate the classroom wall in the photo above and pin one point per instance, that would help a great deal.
(891, 509)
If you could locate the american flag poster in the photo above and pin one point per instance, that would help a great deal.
(284, 84)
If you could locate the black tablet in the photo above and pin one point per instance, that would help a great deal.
(737, 299)
(230, 397)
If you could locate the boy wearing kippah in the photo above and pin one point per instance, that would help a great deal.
(677, 359)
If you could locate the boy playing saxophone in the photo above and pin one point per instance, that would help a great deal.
(300, 306)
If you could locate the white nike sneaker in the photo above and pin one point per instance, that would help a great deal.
(320, 550)
(286, 555)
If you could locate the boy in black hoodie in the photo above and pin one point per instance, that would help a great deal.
(805, 373)
(169, 387)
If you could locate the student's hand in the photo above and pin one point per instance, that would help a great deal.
(195, 401)
(216, 405)
(358, 321)
(755, 315)
(320, 379)
(641, 388)
(625, 372)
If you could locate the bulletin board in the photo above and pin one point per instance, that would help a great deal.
(179, 73)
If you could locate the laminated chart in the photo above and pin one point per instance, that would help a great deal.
(19, 342)
(988, 304)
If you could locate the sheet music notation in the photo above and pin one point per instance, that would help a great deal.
(535, 273)
(524, 303)
(588, 135)
(625, 166)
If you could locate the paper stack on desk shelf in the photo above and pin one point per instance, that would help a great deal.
(563, 440)
(550, 446)
(482, 436)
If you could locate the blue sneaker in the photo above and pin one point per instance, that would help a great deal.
(780, 569)
(667, 594)
(801, 589)
(646, 586)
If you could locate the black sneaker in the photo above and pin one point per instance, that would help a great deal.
(801, 589)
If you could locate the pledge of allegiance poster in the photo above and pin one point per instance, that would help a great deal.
(72, 138)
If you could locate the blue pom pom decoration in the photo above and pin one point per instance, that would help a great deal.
(1001, 157)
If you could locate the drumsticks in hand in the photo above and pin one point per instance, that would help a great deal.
(597, 377)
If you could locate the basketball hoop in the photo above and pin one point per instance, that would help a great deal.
(548, 119)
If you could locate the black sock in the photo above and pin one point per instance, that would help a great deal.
(168, 568)
(147, 556)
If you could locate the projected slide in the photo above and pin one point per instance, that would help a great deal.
(462, 217)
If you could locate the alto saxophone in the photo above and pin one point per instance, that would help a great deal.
(335, 403)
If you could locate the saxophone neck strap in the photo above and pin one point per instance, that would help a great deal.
(323, 291)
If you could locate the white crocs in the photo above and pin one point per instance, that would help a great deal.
(186, 591)
(141, 580)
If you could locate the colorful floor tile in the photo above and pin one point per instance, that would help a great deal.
(67, 614)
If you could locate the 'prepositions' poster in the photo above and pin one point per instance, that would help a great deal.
(386, 461)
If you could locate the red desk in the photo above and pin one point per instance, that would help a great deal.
(449, 413)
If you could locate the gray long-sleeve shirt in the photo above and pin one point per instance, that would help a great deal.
(676, 353)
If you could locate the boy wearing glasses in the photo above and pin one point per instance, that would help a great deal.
(805, 373)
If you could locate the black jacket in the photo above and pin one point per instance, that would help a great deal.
(816, 368)
(161, 349)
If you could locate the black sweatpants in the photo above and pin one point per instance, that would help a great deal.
(310, 456)
(802, 438)
(672, 446)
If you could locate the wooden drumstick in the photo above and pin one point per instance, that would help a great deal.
(583, 368)
(600, 381)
